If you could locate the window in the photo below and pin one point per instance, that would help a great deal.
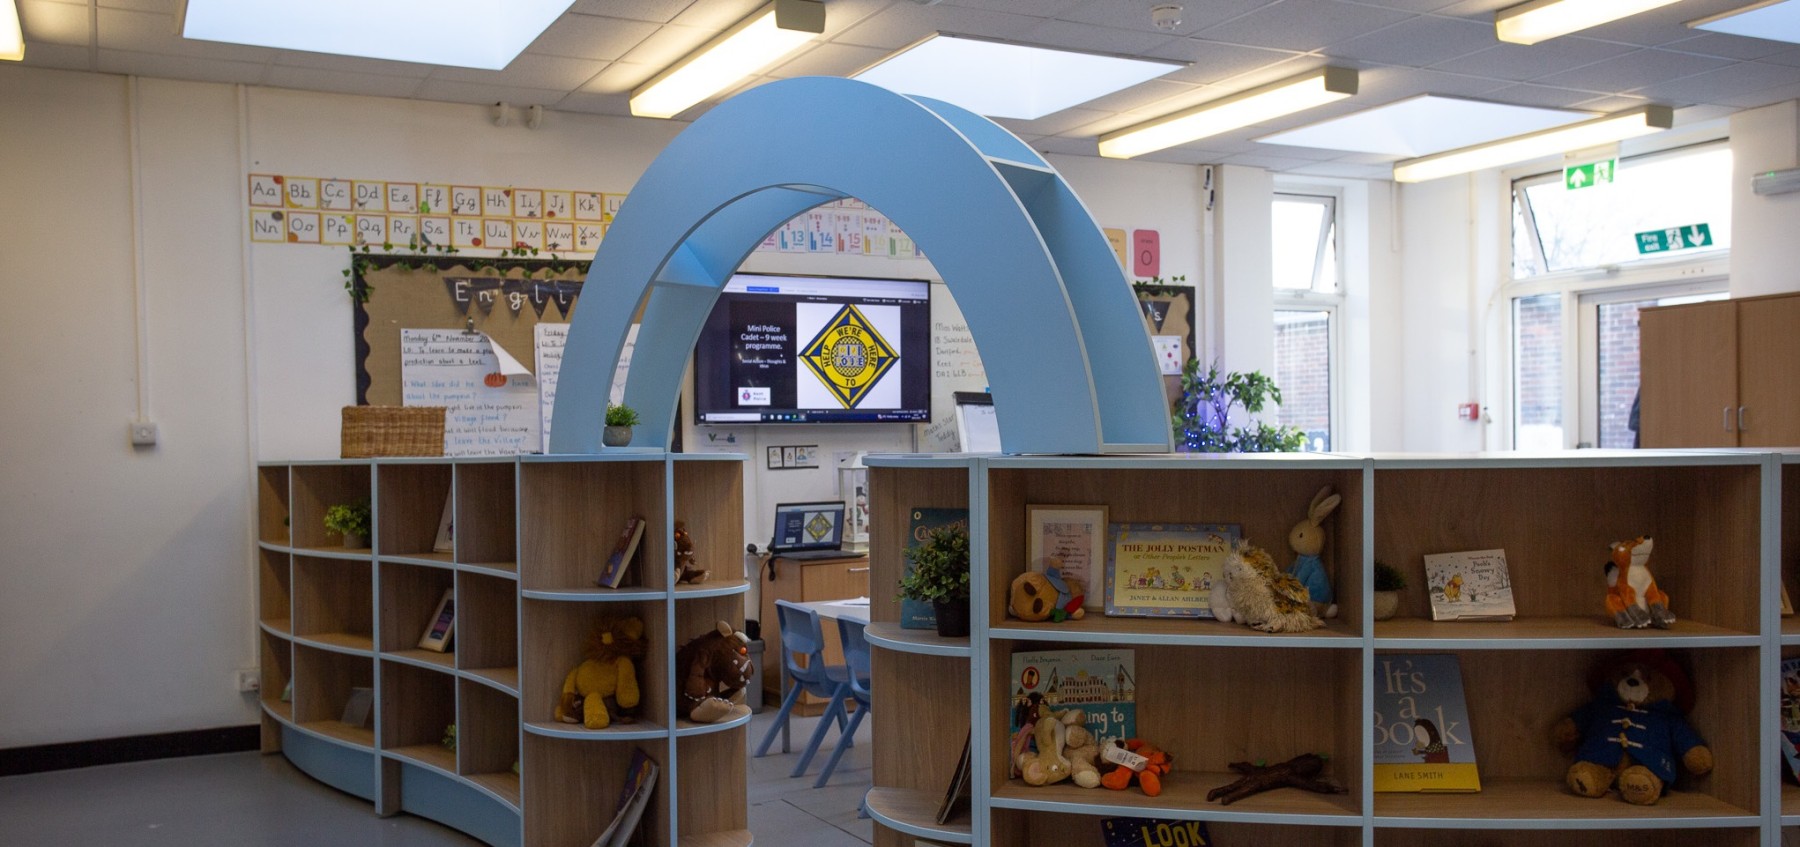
(1558, 229)
(1304, 269)
(1537, 372)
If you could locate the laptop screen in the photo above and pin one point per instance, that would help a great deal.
(809, 526)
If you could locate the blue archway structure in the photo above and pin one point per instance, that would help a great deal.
(1068, 359)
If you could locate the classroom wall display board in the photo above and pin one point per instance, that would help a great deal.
(1726, 527)
(468, 735)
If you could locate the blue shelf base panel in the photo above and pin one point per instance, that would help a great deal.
(429, 794)
(347, 770)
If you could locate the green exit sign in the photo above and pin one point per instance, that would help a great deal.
(1590, 174)
(1674, 238)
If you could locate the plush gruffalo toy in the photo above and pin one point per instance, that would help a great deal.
(1635, 730)
(686, 569)
(1044, 596)
(603, 690)
(715, 667)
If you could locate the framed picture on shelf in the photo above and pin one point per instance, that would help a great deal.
(443, 624)
(1157, 570)
(1069, 538)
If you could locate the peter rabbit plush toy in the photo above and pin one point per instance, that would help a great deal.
(1308, 540)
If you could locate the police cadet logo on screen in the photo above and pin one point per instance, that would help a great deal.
(849, 356)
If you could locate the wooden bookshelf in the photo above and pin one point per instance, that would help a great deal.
(1213, 693)
(530, 535)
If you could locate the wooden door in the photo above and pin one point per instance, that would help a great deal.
(1769, 371)
(1688, 375)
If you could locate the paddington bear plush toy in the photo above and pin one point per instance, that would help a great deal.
(714, 668)
(1635, 730)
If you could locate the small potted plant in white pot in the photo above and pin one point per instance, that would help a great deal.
(940, 576)
(1388, 582)
(619, 421)
(351, 520)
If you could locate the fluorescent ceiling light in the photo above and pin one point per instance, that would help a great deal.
(1424, 125)
(1294, 94)
(1542, 20)
(1642, 120)
(772, 32)
(1776, 20)
(12, 39)
(1004, 80)
(485, 34)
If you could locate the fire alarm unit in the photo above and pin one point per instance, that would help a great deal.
(1469, 411)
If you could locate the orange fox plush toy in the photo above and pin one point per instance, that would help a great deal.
(1631, 593)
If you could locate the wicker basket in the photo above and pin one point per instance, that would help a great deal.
(392, 431)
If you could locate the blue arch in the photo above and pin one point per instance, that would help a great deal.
(1070, 364)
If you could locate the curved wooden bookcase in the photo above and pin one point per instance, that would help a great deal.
(530, 536)
(1214, 693)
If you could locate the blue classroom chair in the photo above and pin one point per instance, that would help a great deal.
(856, 656)
(803, 639)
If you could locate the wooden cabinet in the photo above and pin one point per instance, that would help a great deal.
(530, 535)
(1213, 693)
(808, 581)
(1721, 374)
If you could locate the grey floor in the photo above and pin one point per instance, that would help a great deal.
(250, 799)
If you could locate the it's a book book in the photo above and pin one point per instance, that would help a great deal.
(1469, 586)
(620, 560)
(1422, 738)
(918, 614)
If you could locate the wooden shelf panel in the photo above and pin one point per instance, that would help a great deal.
(434, 756)
(274, 584)
(570, 788)
(1790, 799)
(487, 731)
(1184, 797)
(429, 659)
(554, 640)
(417, 706)
(272, 509)
(337, 551)
(915, 813)
(504, 570)
(506, 679)
(502, 785)
(1542, 802)
(429, 560)
(360, 737)
(282, 627)
(409, 600)
(1203, 632)
(1589, 837)
(487, 512)
(1593, 632)
(413, 496)
(712, 768)
(487, 621)
(639, 731)
(571, 514)
(594, 595)
(740, 715)
(334, 597)
(728, 838)
(1790, 627)
(889, 636)
(283, 712)
(712, 587)
(341, 642)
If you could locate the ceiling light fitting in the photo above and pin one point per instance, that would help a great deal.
(1295, 94)
(1631, 123)
(772, 32)
(1166, 17)
(1542, 20)
(12, 38)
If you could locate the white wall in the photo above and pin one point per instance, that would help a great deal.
(1436, 307)
(1241, 326)
(1764, 252)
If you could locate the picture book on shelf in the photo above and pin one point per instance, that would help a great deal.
(620, 560)
(918, 614)
(1101, 683)
(446, 534)
(1154, 832)
(1469, 586)
(640, 781)
(1790, 716)
(1422, 740)
(442, 627)
(1165, 570)
(956, 797)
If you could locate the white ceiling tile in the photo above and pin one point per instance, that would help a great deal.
(1136, 15)
(620, 78)
(1304, 24)
(1539, 95)
(1755, 99)
(1421, 126)
(903, 23)
(654, 11)
(65, 56)
(1788, 56)
(1182, 156)
(829, 60)
(1633, 70)
(1289, 151)
(454, 91)
(55, 23)
(596, 104)
(1728, 46)
(153, 32)
(1420, 6)
(529, 71)
(1088, 146)
(1212, 61)
(1383, 85)
(1476, 10)
(1144, 94)
(1417, 42)
(179, 67)
(1690, 115)
(719, 15)
(171, 7)
(1267, 161)
(1273, 72)
(1345, 170)
(589, 37)
(341, 82)
(1709, 87)
(1366, 159)
(1611, 103)
(667, 45)
(1520, 62)
(1054, 123)
(1094, 39)
(1660, 26)
(351, 64)
(1039, 8)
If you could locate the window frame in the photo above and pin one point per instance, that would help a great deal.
(1330, 301)
(1328, 230)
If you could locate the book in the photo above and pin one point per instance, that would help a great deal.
(1422, 739)
(1165, 570)
(622, 553)
(640, 781)
(918, 614)
(1101, 683)
(956, 797)
(356, 709)
(1790, 716)
(446, 534)
(1154, 832)
(442, 626)
(1469, 586)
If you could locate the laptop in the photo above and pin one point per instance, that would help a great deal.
(809, 531)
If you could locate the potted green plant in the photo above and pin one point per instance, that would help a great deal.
(619, 421)
(939, 575)
(350, 520)
(1388, 582)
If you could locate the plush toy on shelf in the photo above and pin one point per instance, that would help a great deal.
(1634, 732)
(715, 667)
(686, 570)
(603, 689)
(1065, 750)
(1631, 593)
(1308, 540)
(1044, 596)
(1135, 760)
(1257, 594)
(1302, 771)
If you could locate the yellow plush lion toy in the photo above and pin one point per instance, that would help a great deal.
(603, 690)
